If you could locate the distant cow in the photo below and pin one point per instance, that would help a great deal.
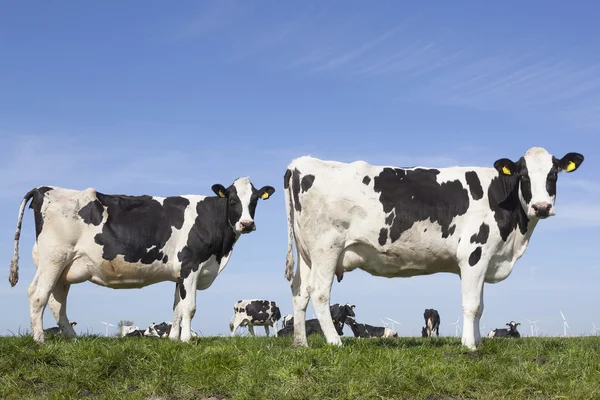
(475, 222)
(339, 314)
(369, 331)
(286, 320)
(122, 241)
(503, 332)
(56, 330)
(253, 313)
(432, 322)
(424, 332)
(162, 330)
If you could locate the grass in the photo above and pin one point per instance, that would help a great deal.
(270, 368)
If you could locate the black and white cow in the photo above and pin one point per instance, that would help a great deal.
(369, 331)
(56, 329)
(511, 331)
(121, 241)
(400, 222)
(338, 314)
(432, 322)
(253, 313)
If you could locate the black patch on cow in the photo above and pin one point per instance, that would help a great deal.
(424, 230)
(450, 231)
(552, 178)
(260, 311)
(474, 185)
(366, 180)
(307, 182)
(165, 259)
(523, 174)
(36, 205)
(92, 213)
(138, 227)
(389, 219)
(179, 286)
(211, 234)
(416, 196)
(475, 256)
(483, 234)
(503, 197)
(286, 178)
(296, 189)
(383, 233)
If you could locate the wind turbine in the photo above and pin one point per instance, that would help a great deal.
(565, 325)
(393, 323)
(533, 326)
(457, 327)
(107, 325)
(594, 330)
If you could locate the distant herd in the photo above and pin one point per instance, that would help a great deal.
(475, 222)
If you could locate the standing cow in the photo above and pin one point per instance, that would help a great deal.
(253, 313)
(432, 322)
(121, 242)
(400, 222)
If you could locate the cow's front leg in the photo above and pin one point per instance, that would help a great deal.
(176, 325)
(185, 309)
(251, 329)
(472, 292)
(267, 330)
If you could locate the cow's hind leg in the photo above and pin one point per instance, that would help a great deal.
(39, 293)
(58, 305)
(300, 298)
(251, 329)
(321, 279)
(267, 330)
(176, 325)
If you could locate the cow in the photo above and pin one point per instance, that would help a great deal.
(432, 322)
(286, 320)
(474, 222)
(338, 314)
(424, 332)
(122, 241)
(56, 329)
(369, 331)
(510, 332)
(253, 313)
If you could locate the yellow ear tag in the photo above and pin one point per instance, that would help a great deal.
(265, 196)
(221, 194)
(571, 166)
(506, 171)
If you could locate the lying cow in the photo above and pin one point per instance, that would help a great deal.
(401, 222)
(56, 329)
(432, 322)
(287, 320)
(338, 313)
(122, 242)
(369, 331)
(253, 313)
(511, 331)
(163, 330)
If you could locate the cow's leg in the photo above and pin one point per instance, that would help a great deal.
(236, 323)
(478, 317)
(472, 292)
(300, 298)
(267, 330)
(39, 293)
(275, 328)
(58, 305)
(321, 279)
(251, 329)
(188, 305)
(176, 326)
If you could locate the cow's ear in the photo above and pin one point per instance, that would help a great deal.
(507, 324)
(518, 323)
(219, 190)
(505, 167)
(570, 162)
(265, 192)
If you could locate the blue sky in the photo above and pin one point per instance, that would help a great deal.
(163, 99)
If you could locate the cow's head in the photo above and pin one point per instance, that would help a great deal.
(242, 200)
(512, 325)
(536, 174)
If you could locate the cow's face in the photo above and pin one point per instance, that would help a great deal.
(537, 173)
(242, 200)
(512, 325)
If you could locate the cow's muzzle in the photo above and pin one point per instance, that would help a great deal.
(542, 210)
(247, 226)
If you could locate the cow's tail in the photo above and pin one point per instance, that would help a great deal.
(289, 209)
(13, 277)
